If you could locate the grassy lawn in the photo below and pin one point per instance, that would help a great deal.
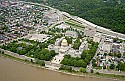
(75, 24)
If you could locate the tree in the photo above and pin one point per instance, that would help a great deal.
(112, 66)
(67, 56)
(40, 62)
(118, 55)
(105, 54)
(4, 27)
(86, 60)
(121, 66)
(64, 67)
(41, 57)
(22, 52)
(83, 70)
(115, 54)
(88, 57)
(52, 52)
(48, 57)
(73, 61)
(18, 25)
(69, 40)
(94, 63)
(104, 67)
(77, 43)
(115, 39)
(84, 53)
(110, 54)
(65, 61)
(81, 63)
(92, 71)
(124, 54)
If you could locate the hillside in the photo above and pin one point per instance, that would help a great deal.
(107, 13)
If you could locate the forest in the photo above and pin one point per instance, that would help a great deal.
(106, 13)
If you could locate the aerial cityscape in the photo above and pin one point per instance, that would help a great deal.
(46, 37)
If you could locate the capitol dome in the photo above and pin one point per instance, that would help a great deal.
(64, 42)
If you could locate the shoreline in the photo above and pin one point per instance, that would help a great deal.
(88, 75)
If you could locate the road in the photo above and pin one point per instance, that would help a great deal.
(23, 57)
(95, 27)
(110, 72)
(97, 51)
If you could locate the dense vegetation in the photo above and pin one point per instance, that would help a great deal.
(106, 13)
(86, 57)
(67, 68)
(30, 48)
(71, 61)
(77, 43)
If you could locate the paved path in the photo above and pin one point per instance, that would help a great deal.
(58, 58)
(23, 57)
(110, 72)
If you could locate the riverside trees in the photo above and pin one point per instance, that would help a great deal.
(31, 49)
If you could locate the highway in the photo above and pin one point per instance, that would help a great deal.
(95, 27)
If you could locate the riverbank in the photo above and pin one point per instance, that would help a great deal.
(91, 75)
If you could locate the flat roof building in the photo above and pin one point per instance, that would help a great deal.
(97, 37)
(39, 37)
(83, 46)
(89, 32)
(63, 26)
(72, 34)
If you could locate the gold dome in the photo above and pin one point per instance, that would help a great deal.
(64, 42)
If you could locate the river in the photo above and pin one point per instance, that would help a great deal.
(11, 70)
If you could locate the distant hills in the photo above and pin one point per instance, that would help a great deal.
(106, 13)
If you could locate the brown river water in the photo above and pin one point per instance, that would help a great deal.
(11, 70)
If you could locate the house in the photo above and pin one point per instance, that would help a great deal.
(108, 39)
(116, 48)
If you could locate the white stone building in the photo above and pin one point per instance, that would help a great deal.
(59, 41)
(72, 34)
(97, 37)
(73, 53)
(89, 32)
(40, 37)
(83, 46)
(62, 26)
